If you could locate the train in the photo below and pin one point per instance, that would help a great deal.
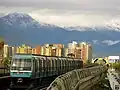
(27, 70)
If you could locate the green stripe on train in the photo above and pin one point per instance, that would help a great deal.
(25, 74)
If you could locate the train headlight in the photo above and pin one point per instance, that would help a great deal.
(20, 80)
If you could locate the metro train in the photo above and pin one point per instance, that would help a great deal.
(28, 70)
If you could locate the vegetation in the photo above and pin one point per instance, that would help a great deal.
(116, 66)
(1, 43)
(6, 62)
(1, 40)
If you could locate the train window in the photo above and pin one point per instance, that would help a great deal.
(56, 64)
(38, 63)
(21, 64)
(43, 64)
(48, 64)
(52, 65)
(36, 66)
(64, 63)
(59, 63)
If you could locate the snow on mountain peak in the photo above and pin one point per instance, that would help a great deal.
(114, 24)
(23, 20)
(80, 28)
(18, 15)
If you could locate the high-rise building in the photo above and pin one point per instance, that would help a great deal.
(66, 52)
(77, 52)
(59, 52)
(8, 51)
(86, 52)
(1, 51)
(33, 50)
(89, 53)
(24, 49)
(38, 50)
(48, 51)
(52, 49)
(74, 50)
(43, 50)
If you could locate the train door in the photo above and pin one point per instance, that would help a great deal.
(35, 66)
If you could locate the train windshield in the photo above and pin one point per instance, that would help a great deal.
(21, 64)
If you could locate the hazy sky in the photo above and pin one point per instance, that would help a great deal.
(66, 12)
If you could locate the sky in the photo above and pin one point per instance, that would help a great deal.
(66, 12)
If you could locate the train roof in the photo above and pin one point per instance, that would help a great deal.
(42, 56)
(22, 56)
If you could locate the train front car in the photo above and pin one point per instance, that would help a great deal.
(21, 71)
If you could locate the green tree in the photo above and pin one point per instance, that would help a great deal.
(6, 61)
(116, 66)
(88, 62)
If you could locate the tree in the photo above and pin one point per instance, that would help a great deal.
(116, 66)
(88, 62)
(6, 62)
(1, 43)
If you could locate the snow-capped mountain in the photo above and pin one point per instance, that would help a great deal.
(19, 28)
(107, 27)
(24, 20)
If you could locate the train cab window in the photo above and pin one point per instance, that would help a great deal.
(21, 64)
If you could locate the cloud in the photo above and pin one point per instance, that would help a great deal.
(66, 12)
(95, 41)
(110, 42)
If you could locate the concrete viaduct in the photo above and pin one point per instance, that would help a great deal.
(80, 79)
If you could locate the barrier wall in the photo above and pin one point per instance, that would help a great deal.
(80, 79)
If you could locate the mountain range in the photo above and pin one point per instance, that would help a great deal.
(20, 28)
